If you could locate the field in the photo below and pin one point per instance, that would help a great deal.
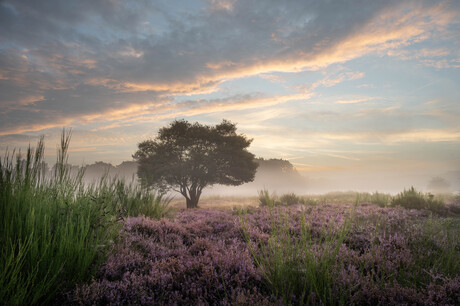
(64, 242)
(333, 253)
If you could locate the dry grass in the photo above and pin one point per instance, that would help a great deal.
(218, 202)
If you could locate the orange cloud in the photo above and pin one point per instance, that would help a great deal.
(218, 5)
(36, 127)
(142, 114)
(395, 28)
(331, 80)
(24, 101)
(178, 88)
(130, 111)
(353, 101)
(249, 103)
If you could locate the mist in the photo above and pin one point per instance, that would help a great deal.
(280, 176)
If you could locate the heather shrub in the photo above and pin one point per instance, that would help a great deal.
(438, 246)
(397, 256)
(298, 256)
(282, 255)
(199, 258)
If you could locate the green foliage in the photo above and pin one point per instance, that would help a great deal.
(54, 231)
(378, 198)
(434, 251)
(265, 199)
(311, 201)
(454, 206)
(381, 199)
(412, 199)
(188, 157)
(438, 245)
(287, 199)
(290, 199)
(129, 200)
(299, 267)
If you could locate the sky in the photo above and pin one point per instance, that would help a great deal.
(362, 93)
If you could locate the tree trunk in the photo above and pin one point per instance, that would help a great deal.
(192, 203)
(193, 197)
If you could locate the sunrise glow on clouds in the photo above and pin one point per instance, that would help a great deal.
(339, 88)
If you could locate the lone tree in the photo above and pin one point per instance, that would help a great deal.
(187, 157)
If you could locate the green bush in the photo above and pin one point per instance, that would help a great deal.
(290, 199)
(380, 199)
(412, 199)
(265, 199)
(311, 201)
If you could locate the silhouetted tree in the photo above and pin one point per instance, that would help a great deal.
(276, 165)
(278, 173)
(188, 157)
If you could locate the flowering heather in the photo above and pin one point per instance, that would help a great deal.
(389, 256)
(199, 258)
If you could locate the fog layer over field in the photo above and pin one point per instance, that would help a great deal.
(280, 176)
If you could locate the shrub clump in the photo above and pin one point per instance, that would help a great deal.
(265, 199)
(380, 199)
(290, 199)
(413, 199)
(287, 199)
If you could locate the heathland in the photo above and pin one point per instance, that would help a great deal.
(64, 241)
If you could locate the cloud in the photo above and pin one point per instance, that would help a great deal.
(333, 80)
(437, 57)
(352, 101)
(273, 78)
(310, 142)
(191, 108)
(218, 5)
(67, 62)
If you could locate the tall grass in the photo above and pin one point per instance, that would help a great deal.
(265, 199)
(54, 231)
(287, 199)
(438, 247)
(298, 267)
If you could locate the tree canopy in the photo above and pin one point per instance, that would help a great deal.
(187, 157)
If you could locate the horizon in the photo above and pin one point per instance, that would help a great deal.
(358, 95)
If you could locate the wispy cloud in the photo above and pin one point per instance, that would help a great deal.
(336, 83)
(336, 79)
(353, 101)
(54, 53)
